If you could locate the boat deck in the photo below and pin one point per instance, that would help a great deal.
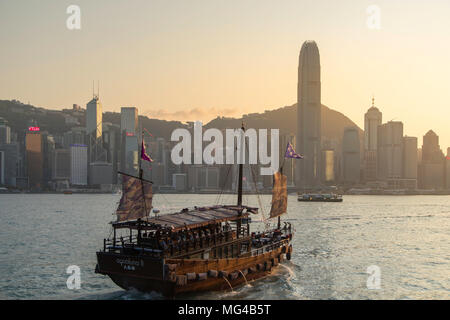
(229, 241)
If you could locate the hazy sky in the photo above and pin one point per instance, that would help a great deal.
(194, 59)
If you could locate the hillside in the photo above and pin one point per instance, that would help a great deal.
(20, 116)
(333, 122)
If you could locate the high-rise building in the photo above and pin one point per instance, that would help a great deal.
(447, 169)
(76, 135)
(94, 118)
(432, 166)
(308, 117)
(9, 154)
(410, 157)
(34, 159)
(5, 132)
(2, 168)
(130, 142)
(94, 131)
(48, 149)
(410, 161)
(131, 154)
(129, 120)
(61, 164)
(112, 141)
(328, 171)
(179, 181)
(431, 175)
(161, 157)
(431, 151)
(390, 150)
(372, 119)
(79, 164)
(205, 177)
(101, 173)
(351, 156)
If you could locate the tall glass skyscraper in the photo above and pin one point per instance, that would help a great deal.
(308, 117)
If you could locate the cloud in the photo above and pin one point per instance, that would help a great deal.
(194, 114)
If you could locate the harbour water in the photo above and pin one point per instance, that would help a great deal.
(406, 237)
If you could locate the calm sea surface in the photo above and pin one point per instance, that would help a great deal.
(407, 237)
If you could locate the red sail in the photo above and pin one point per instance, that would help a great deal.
(279, 195)
(136, 201)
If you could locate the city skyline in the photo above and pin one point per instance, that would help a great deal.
(222, 69)
(54, 160)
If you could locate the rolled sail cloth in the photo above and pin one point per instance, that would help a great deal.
(191, 276)
(213, 273)
(136, 200)
(202, 276)
(181, 280)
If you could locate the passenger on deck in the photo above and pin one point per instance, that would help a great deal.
(163, 245)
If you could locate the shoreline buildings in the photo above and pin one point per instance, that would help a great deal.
(86, 153)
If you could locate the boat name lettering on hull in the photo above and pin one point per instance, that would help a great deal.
(128, 264)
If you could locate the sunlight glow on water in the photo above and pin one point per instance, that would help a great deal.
(408, 237)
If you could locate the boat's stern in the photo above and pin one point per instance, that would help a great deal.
(141, 272)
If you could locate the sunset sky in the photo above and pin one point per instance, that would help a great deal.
(195, 59)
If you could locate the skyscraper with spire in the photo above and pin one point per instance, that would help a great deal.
(94, 130)
(94, 117)
(309, 117)
(372, 119)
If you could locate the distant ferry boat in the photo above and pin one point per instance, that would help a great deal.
(319, 197)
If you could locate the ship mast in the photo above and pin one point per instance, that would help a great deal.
(141, 173)
(281, 171)
(239, 202)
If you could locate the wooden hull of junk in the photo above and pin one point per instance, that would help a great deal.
(193, 250)
(170, 277)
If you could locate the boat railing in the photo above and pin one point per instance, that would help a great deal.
(269, 247)
(166, 246)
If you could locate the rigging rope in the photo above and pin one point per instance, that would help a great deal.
(258, 195)
(223, 185)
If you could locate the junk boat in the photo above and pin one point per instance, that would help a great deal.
(199, 249)
(319, 197)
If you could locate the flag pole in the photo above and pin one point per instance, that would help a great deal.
(282, 163)
(140, 157)
(140, 176)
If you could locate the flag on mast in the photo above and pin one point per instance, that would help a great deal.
(144, 155)
(290, 152)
